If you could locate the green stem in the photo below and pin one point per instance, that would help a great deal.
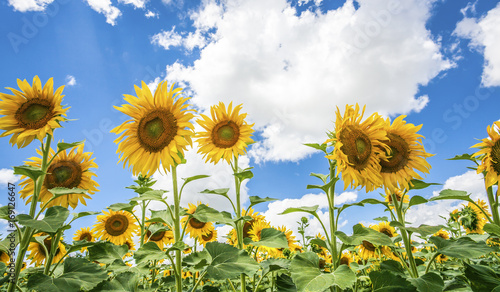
(177, 231)
(239, 224)
(142, 223)
(493, 205)
(53, 250)
(232, 286)
(430, 262)
(331, 213)
(199, 281)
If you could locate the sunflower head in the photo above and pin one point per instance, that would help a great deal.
(117, 227)
(195, 227)
(84, 233)
(159, 130)
(209, 236)
(385, 228)
(358, 148)
(472, 219)
(161, 238)
(227, 134)
(31, 112)
(489, 154)
(400, 195)
(443, 234)
(406, 155)
(69, 169)
(37, 250)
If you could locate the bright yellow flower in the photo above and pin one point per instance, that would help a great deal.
(227, 134)
(490, 155)
(117, 227)
(196, 228)
(161, 238)
(399, 194)
(69, 169)
(443, 234)
(31, 112)
(210, 236)
(37, 252)
(158, 132)
(472, 218)
(84, 233)
(358, 148)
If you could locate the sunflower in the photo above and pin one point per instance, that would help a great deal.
(37, 251)
(399, 194)
(227, 133)
(210, 236)
(159, 129)
(406, 155)
(443, 234)
(385, 228)
(490, 155)
(346, 258)
(472, 219)
(32, 112)
(367, 250)
(233, 237)
(441, 258)
(84, 233)
(255, 232)
(321, 251)
(116, 227)
(161, 238)
(69, 169)
(131, 247)
(194, 227)
(358, 148)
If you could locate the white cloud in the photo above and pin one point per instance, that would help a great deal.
(7, 176)
(290, 220)
(151, 14)
(29, 5)
(166, 39)
(429, 213)
(70, 80)
(136, 3)
(291, 70)
(484, 35)
(105, 7)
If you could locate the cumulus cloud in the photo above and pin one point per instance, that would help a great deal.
(429, 213)
(291, 69)
(151, 14)
(166, 39)
(29, 5)
(70, 80)
(136, 3)
(290, 220)
(105, 7)
(7, 176)
(484, 36)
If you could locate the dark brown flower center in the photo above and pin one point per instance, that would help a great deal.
(357, 146)
(65, 173)
(344, 260)
(225, 134)
(196, 224)
(208, 236)
(386, 232)
(87, 236)
(34, 113)
(495, 156)
(116, 225)
(156, 130)
(368, 246)
(247, 227)
(48, 245)
(399, 155)
(157, 236)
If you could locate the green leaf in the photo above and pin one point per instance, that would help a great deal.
(311, 210)
(452, 195)
(272, 264)
(284, 283)
(60, 191)
(393, 266)
(78, 245)
(322, 177)
(205, 213)
(417, 200)
(248, 174)
(61, 146)
(29, 171)
(361, 234)
(78, 274)
(424, 230)
(385, 281)
(492, 229)
(324, 187)
(464, 156)
(416, 184)
(53, 220)
(382, 219)
(462, 248)
(193, 178)
(362, 203)
(228, 262)
(308, 278)
(127, 281)
(83, 214)
(7, 213)
(430, 282)
(198, 260)
(149, 252)
(129, 207)
(270, 237)
(153, 195)
(139, 190)
(161, 216)
(482, 278)
(106, 252)
(254, 200)
(321, 147)
(319, 242)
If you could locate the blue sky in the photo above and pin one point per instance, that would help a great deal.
(289, 63)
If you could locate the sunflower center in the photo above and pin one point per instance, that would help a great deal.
(344, 260)
(368, 246)
(398, 157)
(65, 173)
(116, 225)
(157, 236)
(208, 237)
(495, 156)
(48, 245)
(156, 130)
(246, 228)
(34, 113)
(386, 232)
(225, 134)
(357, 146)
(86, 236)
(196, 224)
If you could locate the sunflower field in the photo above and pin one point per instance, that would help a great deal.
(132, 247)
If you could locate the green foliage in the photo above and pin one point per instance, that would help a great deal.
(51, 223)
(361, 234)
(462, 248)
(270, 237)
(228, 262)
